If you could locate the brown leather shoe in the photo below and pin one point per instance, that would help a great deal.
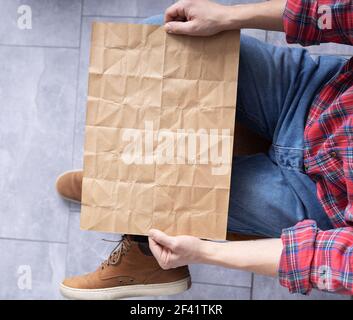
(130, 271)
(69, 185)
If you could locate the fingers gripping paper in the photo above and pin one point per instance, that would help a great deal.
(159, 131)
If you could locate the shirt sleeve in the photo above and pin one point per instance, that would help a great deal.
(312, 258)
(311, 22)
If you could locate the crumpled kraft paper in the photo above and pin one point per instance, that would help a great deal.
(159, 131)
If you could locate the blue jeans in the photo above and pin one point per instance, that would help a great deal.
(276, 87)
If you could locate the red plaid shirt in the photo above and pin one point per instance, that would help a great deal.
(312, 257)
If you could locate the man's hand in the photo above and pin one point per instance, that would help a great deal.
(195, 18)
(260, 256)
(172, 252)
(205, 18)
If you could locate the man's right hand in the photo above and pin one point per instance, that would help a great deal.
(196, 18)
(205, 18)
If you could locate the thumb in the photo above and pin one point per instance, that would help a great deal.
(161, 238)
(180, 27)
(155, 248)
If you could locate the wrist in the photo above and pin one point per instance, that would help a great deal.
(265, 15)
(237, 16)
(207, 252)
(221, 253)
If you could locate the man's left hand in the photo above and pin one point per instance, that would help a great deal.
(172, 252)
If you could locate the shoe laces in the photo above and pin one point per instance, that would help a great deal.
(119, 250)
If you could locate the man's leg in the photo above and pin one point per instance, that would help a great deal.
(276, 86)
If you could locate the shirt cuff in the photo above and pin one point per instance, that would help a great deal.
(300, 22)
(297, 255)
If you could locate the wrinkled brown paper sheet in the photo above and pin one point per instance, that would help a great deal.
(140, 73)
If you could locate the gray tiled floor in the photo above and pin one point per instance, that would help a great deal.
(55, 23)
(43, 87)
(38, 92)
(46, 262)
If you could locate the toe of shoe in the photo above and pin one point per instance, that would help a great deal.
(69, 185)
(79, 282)
(61, 184)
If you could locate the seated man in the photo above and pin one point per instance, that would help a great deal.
(298, 193)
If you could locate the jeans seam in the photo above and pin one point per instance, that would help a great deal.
(286, 167)
(276, 146)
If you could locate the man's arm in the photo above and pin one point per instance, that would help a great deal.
(308, 22)
(304, 258)
(263, 15)
(260, 256)
(204, 18)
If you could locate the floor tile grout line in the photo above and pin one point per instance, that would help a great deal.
(222, 284)
(33, 240)
(12, 45)
(252, 286)
(77, 88)
(74, 129)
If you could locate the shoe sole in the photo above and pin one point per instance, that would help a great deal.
(128, 291)
(56, 183)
